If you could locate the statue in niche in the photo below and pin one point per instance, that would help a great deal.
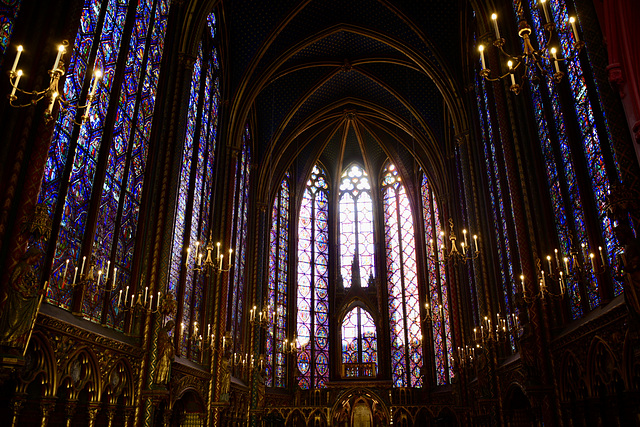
(22, 302)
(225, 378)
(166, 354)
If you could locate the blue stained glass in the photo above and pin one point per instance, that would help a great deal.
(313, 279)
(58, 152)
(240, 239)
(8, 13)
(591, 143)
(277, 296)
(404, 307)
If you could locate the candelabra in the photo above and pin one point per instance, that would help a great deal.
(466, 252)
(260, 318)
(143, 301)
(52, 92)
(290, 346)
(204, 260)
(530, 57)
(429, 313)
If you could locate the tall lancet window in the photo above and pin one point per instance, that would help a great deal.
(240, 224)
(402, 280)
(574, 140)
(278, 274)
(94, 176)
(193, 209)
(356, 228)
(359, 344)
(313, 283)
(437, 290)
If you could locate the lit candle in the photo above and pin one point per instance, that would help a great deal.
(557, 260)
(545, 10)
(151, 302)
(218, 250)
(99, 276)
(464, 251)
(64, 275)
(601, 256)
(106, 276)
(549, 263)
(146, 291)
(561, 284)
(187, 260)
(220, 265)
(119, 298)
(522, 281)
(199, 260)
(126, 294)
(475, 334)
(75, 275)
(593, 262)
(209, 329)
(572, 20)
(464, 233)
(230, 254)
(115, 273)
(132, 298)
(15, 61)
(475, 241)
(494, 18)
(97, 74)
(566, 265)
(15, 85)
(84, 258)
(60, 52)
(513, 77)
(543, 283)
(224, 341)
(554, 60)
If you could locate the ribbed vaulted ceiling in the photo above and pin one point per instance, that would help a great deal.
(341, 81)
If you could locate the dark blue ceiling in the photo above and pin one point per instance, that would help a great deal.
(382, 53)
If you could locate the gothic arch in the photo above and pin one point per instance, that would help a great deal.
(605, 373)
(572, 384)
(82, 371)
(39, 364)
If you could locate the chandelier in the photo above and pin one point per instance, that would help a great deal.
(466, 253)
(544, 59)
(52, 92)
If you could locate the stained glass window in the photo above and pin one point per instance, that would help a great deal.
(402, 282)
(125, 152)
(8, 13)
(193, 209)
(438, 292)
(564, 157)
(313, 283)
(240, 244)
(501, 211)
(356, 228)
(277, 297)
(359, 342)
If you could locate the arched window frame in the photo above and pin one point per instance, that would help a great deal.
(193, 208)
(276, 367)
(313, 282)
(402, 281)
(362, 227)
